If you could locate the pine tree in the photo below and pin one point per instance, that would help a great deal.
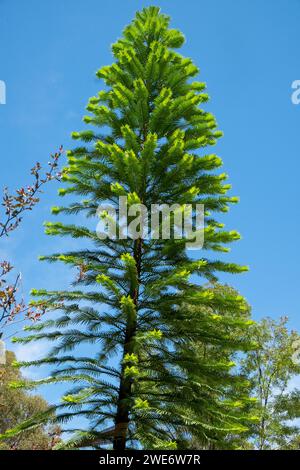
(131, 296)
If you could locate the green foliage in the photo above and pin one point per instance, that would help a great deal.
(271, 369)
(214, 378)
(17, 407)
(145, 303)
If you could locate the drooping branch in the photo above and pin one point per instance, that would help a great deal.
(24, 199)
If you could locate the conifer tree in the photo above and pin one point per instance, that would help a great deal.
(143, 386)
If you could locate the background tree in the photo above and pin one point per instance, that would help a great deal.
(144, 383)
(17, 406)
(233, 392)
(271, 369)
(265, 375)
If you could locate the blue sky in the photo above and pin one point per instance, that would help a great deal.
(248, 55)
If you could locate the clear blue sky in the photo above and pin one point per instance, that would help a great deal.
(248, 54)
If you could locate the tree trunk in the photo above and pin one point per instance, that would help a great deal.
(125, 388)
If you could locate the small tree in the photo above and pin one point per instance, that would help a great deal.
(16, 407)
(271, 367)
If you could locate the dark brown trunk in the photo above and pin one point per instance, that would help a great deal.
(125, 387)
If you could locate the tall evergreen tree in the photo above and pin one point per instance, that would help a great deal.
(131, 295)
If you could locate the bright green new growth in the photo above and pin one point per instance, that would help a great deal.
(137, 300)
